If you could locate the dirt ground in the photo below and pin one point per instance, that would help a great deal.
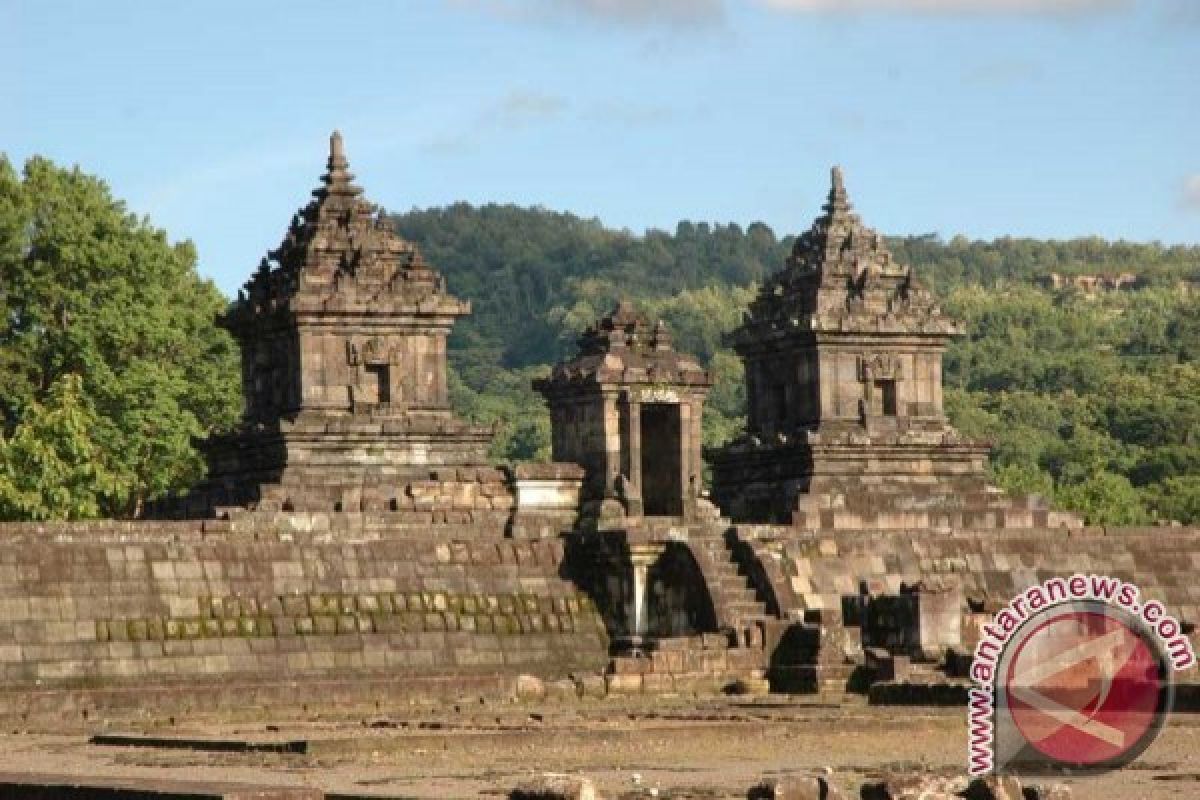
(699, 749)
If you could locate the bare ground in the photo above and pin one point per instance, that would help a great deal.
(681, 747)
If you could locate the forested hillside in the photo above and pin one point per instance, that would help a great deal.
(1092, 399)
(111, 364)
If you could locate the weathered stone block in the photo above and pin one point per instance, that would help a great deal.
(530, 687)
(994, 787)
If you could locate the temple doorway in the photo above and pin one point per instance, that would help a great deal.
(662, 467)
(380, 383)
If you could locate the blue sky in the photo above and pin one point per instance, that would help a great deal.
(1047, 118)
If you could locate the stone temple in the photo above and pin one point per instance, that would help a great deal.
(843, 359)
(352, 546)
(343, 337)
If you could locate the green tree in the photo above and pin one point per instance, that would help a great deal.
(1176, 498)
(51, 467)
(91, 290)
(1104, 498)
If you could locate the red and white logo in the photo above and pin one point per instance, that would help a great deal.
(1085, 687)
(1074, 674)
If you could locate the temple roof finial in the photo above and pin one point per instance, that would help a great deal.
(839, 200)
(337, 177)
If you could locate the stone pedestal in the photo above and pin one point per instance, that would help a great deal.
(641, 556)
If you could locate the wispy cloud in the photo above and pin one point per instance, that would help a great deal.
(620, 13)
(1189, 196)
(263, 160)
(516, 110)
(520, 108)
(948, 6)
(245, 166)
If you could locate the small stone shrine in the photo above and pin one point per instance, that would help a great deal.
(628, 409)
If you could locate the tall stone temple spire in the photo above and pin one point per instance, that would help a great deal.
(343, 332)
(843, 360)
(839, 268)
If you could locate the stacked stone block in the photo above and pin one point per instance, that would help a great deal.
(701, 663)
(826, 578)
(203, 603)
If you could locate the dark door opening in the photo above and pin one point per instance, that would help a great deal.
(662, 467)
(779, 401)
(382, 382)
(887, 397)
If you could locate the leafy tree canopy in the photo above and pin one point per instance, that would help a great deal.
(110, 361)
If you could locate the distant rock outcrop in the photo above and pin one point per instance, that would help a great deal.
(1091, 284)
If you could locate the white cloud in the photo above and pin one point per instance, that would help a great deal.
(630, 113)
(946, 6)
(641, 12)
(1190, 196)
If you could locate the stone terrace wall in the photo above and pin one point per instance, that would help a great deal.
(810, 572)
(281, 597)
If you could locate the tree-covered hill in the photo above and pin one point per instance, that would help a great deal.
(1092, 399)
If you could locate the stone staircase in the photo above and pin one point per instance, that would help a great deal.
(739, 611)
(735, 657)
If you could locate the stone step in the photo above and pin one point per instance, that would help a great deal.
(742, 593)
(745, 609)
(733, 583)
(724, 572)
(736, 599)
(718, 576)
(719, 561)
